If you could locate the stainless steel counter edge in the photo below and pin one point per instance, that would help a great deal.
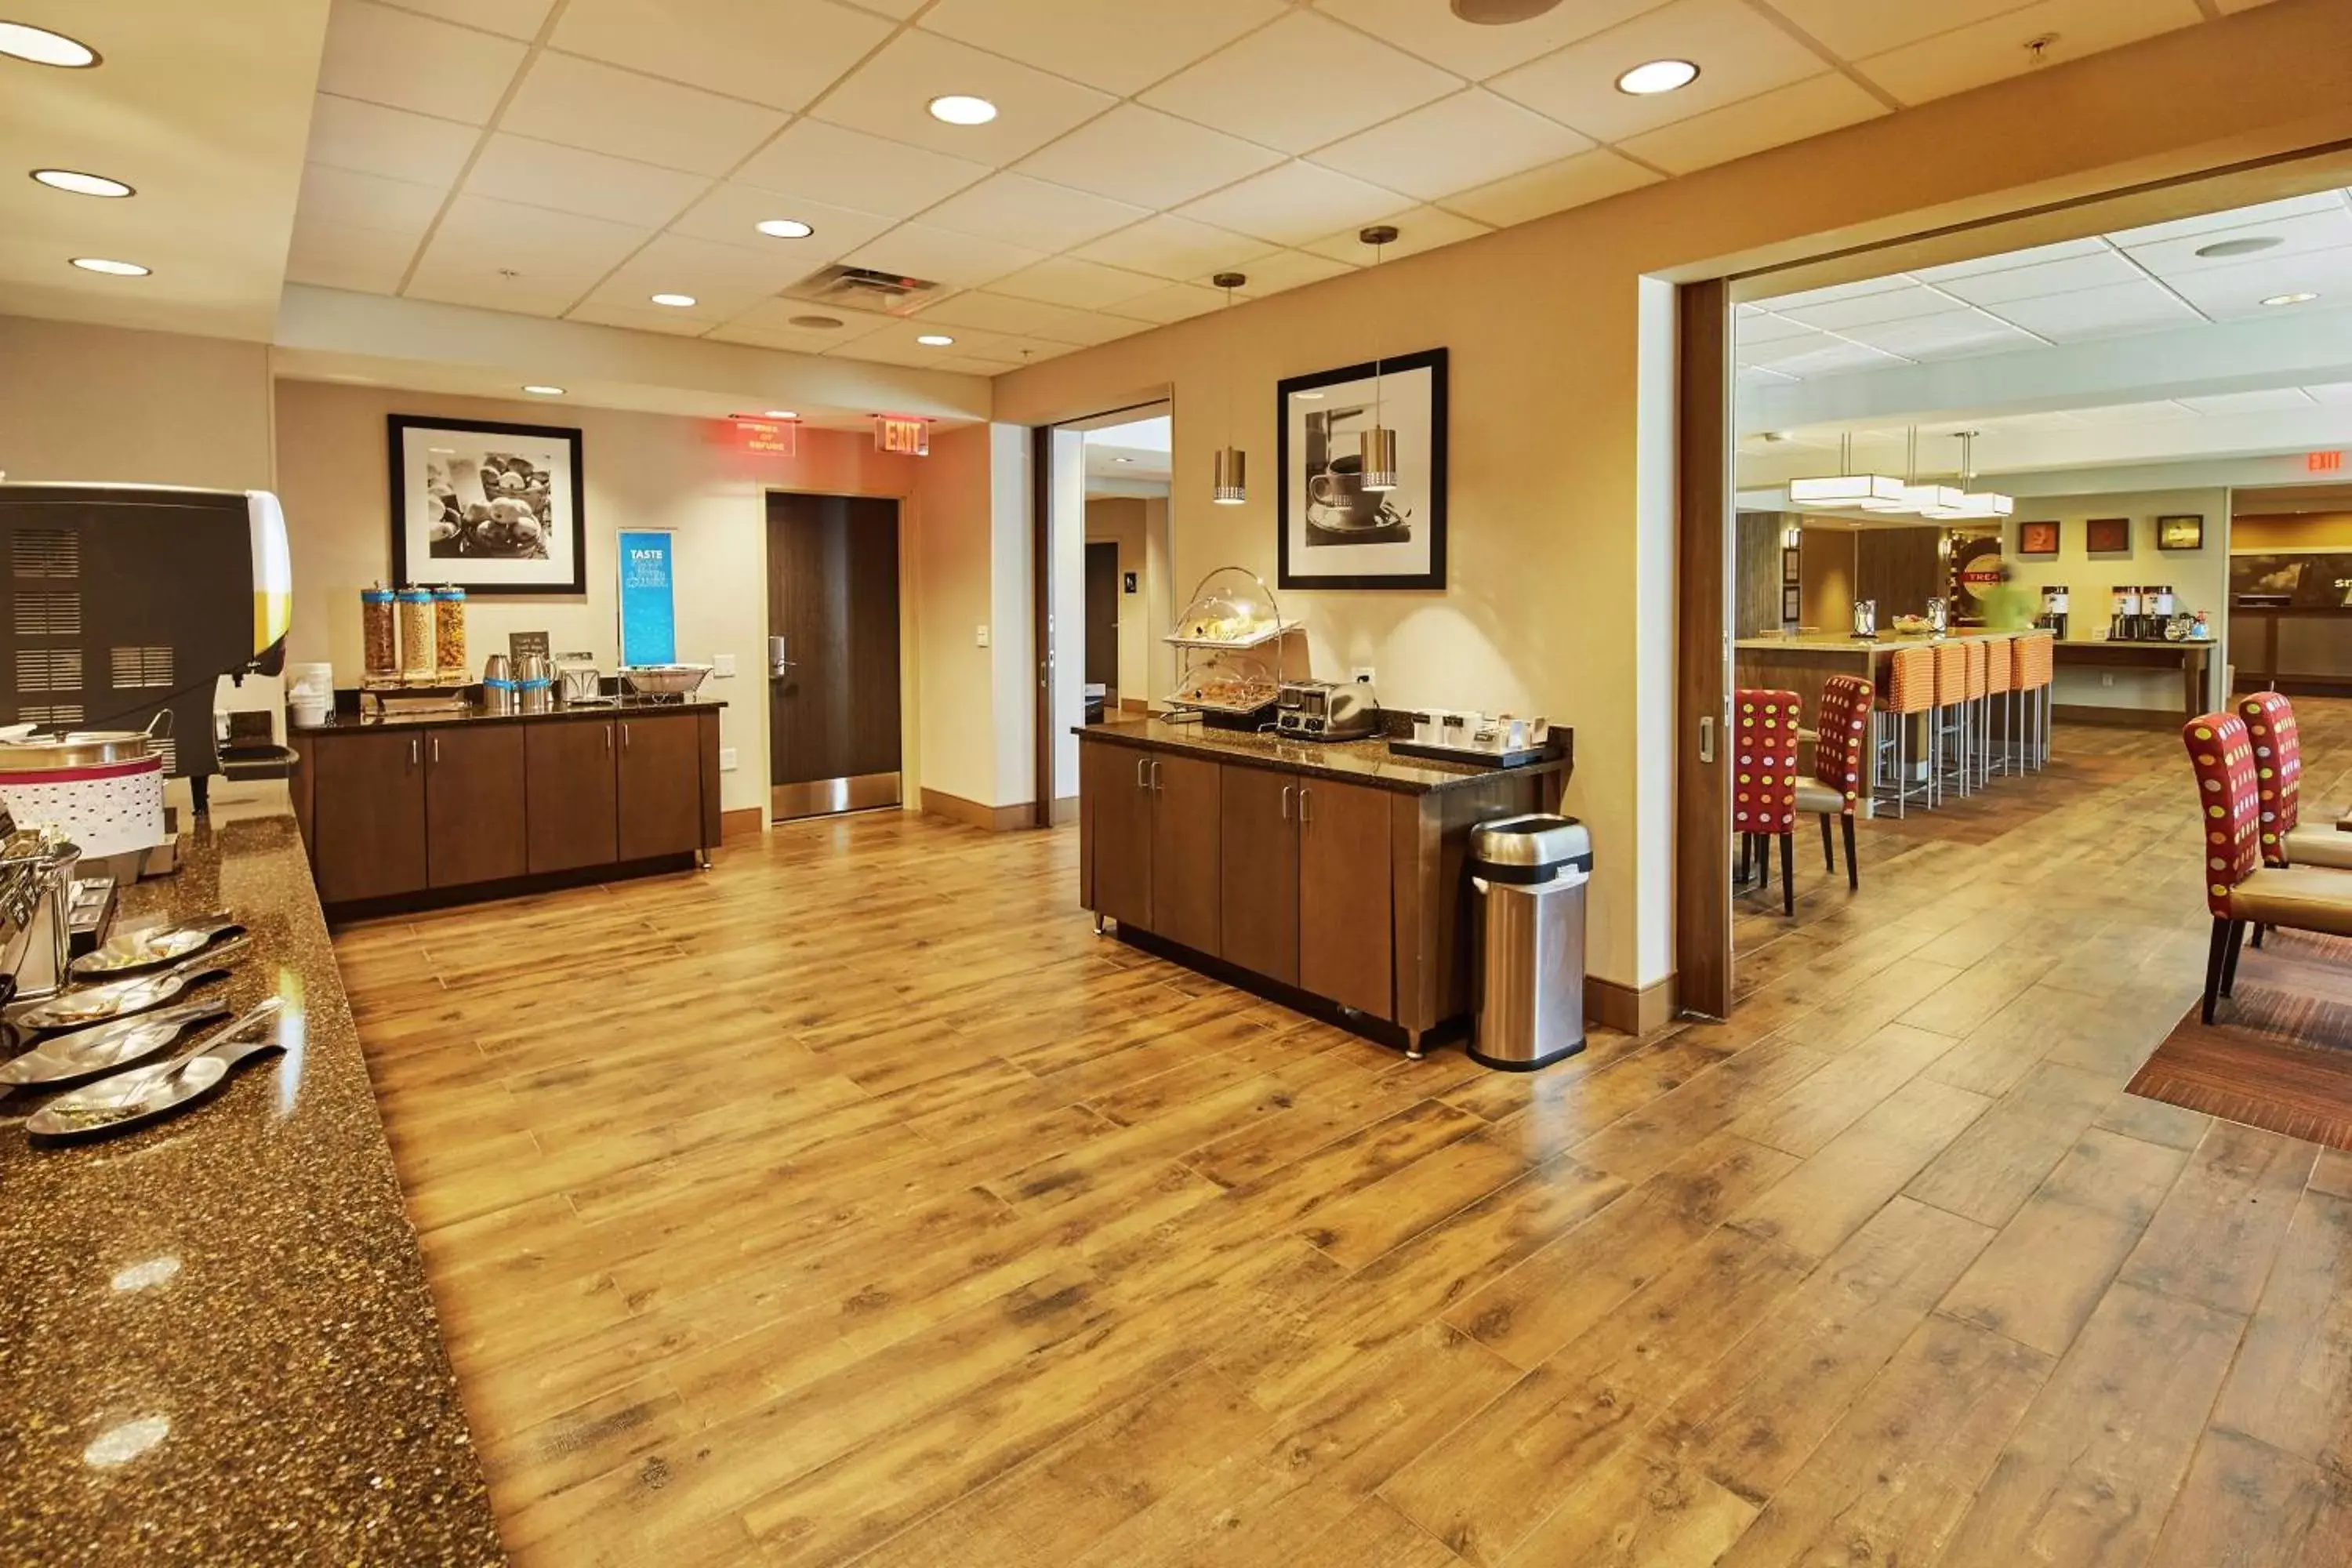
(1368, 762)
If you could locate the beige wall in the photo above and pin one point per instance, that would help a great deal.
(1559, 593)
(641, 471)
(105, 405)
(1118, 521)
(2200, 578)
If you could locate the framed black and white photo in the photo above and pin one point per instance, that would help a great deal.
(493, 508)
(1334, 533)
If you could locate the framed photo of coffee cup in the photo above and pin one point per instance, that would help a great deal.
(2180, 532)
(2107, 535)
(1332, 530)
(2037, 538)
(493, 508)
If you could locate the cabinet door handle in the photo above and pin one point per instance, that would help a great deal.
(412, 750)
(1304, 795)
(1143, 773)
(1285, 802)
(1155, 776)
(608, 737)
(436, 748)
(624, 737)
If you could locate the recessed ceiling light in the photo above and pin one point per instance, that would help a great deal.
(544, 391)
(1658, 76)
(784, 228)
(935, 340)
(2246, 247)
(674, 301)
(1501, 13)
(2297, 299)
(82, 184)
(963, 109)
(780, 413)
(112, 269)
(44, 48)
(815, 323)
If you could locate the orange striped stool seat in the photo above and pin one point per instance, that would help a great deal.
(1949, 722)
(1910, 691)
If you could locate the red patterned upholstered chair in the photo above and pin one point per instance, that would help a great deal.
(2239, 890)
(1764, 782)
(1840, 760)
(2278, 788)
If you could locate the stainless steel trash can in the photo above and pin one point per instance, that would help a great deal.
(1530, 873)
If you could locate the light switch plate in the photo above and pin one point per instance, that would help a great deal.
(722, 665)
(979, 637)
(725, 759)
(1362, 673)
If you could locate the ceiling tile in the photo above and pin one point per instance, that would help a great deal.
(1738, 53)
(770, 324)
(889, 95)
(369, 201)
(778, 52)
(1285, 270)
(1155, 160)
(1300, 83)
(2063, 250)
(346, 256)
(1175, 249)
(1031, 318)
(901, 10)
(895, 344)
(2256, 216)
(1860, 288)
(724, 279)
(850, 169)
(942, 256)
(1009, 352)
(583, 103)
(1293, 203)
(542, 175)
(1833, 357)
(1572, 183)
(732, 211)
(390, 56)
(1761, 327)
(1853, 29)
(1813, 106)
(2097, 271)
(555, 257)
(2087, 313)
(1952, 335)
(2268, 400)
(1472, 138)
(348, 134)
(1176, 303)
(1994, 50)
(1042, 216)
(1119, 47)
(1787, 346)
(1418, 229)
(2238, 290)
(1471, 50)
(2327, 229)
(515, 18)
(1906, 301)
(1081, 285)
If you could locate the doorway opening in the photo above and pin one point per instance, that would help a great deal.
(834, 737)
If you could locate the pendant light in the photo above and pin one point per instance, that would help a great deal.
(1233, 463)
(1847, 489)
(1378, 448)
(1979, 503)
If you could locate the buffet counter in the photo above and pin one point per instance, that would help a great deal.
(221, 1345)
(1329, 876)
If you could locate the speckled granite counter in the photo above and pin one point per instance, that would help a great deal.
(1347, 761)
(220, 1347)
(619, 708)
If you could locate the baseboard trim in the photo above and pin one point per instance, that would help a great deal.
(2163, 720)
(1066, 811)
(987, 819)
(748, 823)
(1627, 1010)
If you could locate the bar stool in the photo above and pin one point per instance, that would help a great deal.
(2035, 667)
(1764, 788)
(1835, 788)
(1910, 692)
(2000, 680)
(1951, 717)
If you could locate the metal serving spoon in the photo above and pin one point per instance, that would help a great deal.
(145, 1095)
(137, 951)
(62, 1060)
(119, 998)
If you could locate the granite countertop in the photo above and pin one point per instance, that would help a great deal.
(221, 1346)
(1826, 642)
(619, 708)
(1347, 761)
(2139, 642)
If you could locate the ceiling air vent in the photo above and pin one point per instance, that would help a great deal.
(864, 288)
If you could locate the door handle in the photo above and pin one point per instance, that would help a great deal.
(1143, 773)
(1706, 737)
(436, 748)
(1305, 795)
(624, 737)
(413, 758)
(1155, 777)
(608, 737)
(1285, 802)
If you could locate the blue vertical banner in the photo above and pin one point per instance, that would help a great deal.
(649, 599)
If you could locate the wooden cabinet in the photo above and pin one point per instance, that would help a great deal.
(1344, 934)
(660, 787)
(1258, 871)
(368, 815)
(474, 800)
(1115, 784)
(573, 783)
(1187, 887)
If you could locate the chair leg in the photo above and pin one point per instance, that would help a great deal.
(1746, 857)
(1828, 846)
(2215, 953)
(1853, 873)
(2229, 967)
(1788, 874)
(1764, 860)
(2258, 936)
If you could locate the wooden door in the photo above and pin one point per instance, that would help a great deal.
(572, 774)
(660, 787)
(474, 796)
(368, 808)
(1187, 852)
(1113, 786)
(1102, 622)
(1258, 871)
(1703, 654)
(1345, 942)
(833, 598)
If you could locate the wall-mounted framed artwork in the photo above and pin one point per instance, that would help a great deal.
(2038, 538)
(1333, 532)
(2107, 536)
(2183, 532)
(494, 508)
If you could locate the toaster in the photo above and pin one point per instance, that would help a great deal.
(1326, 711)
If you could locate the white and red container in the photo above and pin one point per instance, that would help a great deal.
(103, 787)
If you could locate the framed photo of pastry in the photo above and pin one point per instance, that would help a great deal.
(2107, 535)
(2183, 532)
(1334, 531)
(491, 508)
(2037, 539)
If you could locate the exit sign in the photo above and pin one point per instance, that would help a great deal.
(905, 438)
(2324, 462)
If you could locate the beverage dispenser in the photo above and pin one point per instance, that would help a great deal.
(2125, 612)
(2054, 608)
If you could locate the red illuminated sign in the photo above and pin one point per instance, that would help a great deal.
(2325, 462)
(769, 437)
(905, 438)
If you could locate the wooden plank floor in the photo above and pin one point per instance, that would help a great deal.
(852, 1202)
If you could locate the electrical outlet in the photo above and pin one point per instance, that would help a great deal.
(722, 665)
(1362, 674)
(725, 759)
(980, 637)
